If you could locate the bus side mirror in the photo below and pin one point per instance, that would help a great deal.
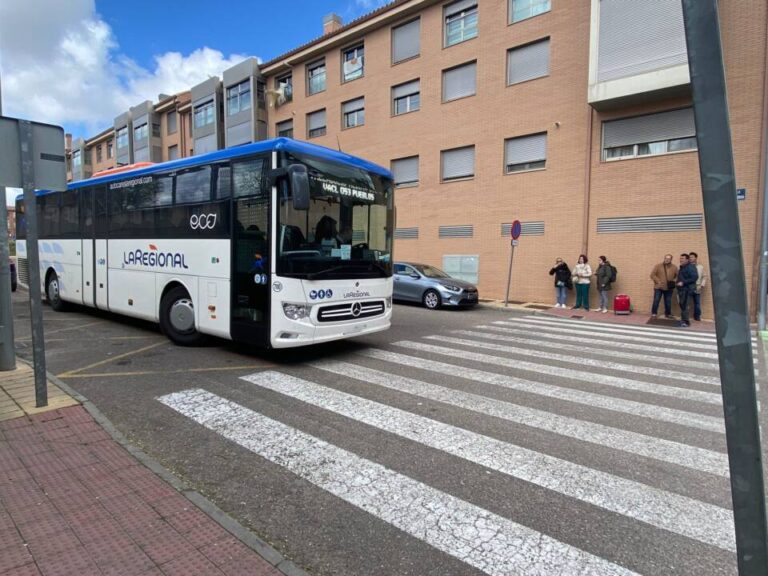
(299, 181)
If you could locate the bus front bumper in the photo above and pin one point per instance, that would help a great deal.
(300, 334)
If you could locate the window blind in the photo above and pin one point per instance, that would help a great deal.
(528, 62)
(650, 128)
(458, 163)
(405, 41)
(526, 149)
(459, 82)
(316, 120)
(406, 170)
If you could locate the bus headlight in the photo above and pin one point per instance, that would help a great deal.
(388, 301)
(296, 311)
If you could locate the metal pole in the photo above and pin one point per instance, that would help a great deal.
(35, 297)
(7, 347)
(509, 274)
(710, 105)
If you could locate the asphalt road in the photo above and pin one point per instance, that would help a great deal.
(457, 443)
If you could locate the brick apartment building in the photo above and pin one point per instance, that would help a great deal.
(572, 116)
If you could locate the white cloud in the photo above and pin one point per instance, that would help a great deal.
(62, 64)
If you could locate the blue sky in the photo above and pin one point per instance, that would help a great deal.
(80, 63)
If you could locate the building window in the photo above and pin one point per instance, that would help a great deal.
(528, 62)
(460, 82)
(140, 132)
(405, 41)
(98, 153)
(239, 98)
(522, 9)
(155, 130)
(457, 163)
(406, 98)
(316, 77)
(76, 160)
(352, 63)
(204, 114)
(525, 153)
(284, 85)
(284, 129)
(110, 151)
(171, 120)
(261, 88)
(122, 137)
(173, 152)
(462, 266)
(406, 171)
(316, 124)
(649, 135)
(353, 112)
(460, 21)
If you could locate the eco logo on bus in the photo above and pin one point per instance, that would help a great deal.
(202, 221)
(153, 258)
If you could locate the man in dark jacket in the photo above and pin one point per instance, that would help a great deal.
(686, 283)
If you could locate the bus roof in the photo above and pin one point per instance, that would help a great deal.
(280, 144)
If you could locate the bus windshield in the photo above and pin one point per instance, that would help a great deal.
(347, 231)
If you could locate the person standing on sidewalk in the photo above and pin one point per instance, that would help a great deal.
(582, 273)
(664, 277)
(562, 275)
(701, 281)
(604, 276)
(686, 283)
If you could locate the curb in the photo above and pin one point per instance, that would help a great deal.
(259, 546)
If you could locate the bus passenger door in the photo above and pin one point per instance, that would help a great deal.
(100, 248)
(88, 249)
(250, 255)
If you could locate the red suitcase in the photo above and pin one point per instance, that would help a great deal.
(621, 304)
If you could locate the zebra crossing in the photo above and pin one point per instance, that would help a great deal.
(606, 442)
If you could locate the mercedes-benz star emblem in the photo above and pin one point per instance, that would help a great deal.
(356, 309)
(357, 284)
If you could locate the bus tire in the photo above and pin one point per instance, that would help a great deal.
(53, 293)
(177, 318)
(432, 299)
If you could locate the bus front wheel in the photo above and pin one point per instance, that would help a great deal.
(177, 318)
(52, 292)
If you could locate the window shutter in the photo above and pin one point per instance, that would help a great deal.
(285, 125)
(406, 170)
(651, 128)
(405, 89)
(405, 41)
(458, 163)
(528, 62)
(526, 149)
(459, 82)
(457, 7)
(637, 37)
(353, 105)
(316, 120)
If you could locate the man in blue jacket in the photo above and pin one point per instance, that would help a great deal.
(686, 284)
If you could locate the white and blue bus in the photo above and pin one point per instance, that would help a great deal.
(279, 243)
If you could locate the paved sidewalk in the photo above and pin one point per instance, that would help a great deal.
(73, 501)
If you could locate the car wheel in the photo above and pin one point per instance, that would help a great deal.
(177, 318)
(53, 293)
(431, 299)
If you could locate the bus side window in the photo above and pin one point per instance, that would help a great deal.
(223, 182)
(100, 203)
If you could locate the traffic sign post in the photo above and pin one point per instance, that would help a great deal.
(32, 157)
(515, 230)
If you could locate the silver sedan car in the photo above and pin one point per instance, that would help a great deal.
(431, 286)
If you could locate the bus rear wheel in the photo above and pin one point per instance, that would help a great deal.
(177, 318)
(53, 294)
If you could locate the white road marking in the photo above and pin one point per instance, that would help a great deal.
(661, 413)
(590, 332)
(582, 360)
(665, 510)
(475, 536)
(573, 374)
(626, 441)
(670, 335)
(607, 343)
(672, 332)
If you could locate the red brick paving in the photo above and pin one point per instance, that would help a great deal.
(74, 502)
(636, 319)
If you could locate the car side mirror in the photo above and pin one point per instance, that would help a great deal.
(298, 178)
